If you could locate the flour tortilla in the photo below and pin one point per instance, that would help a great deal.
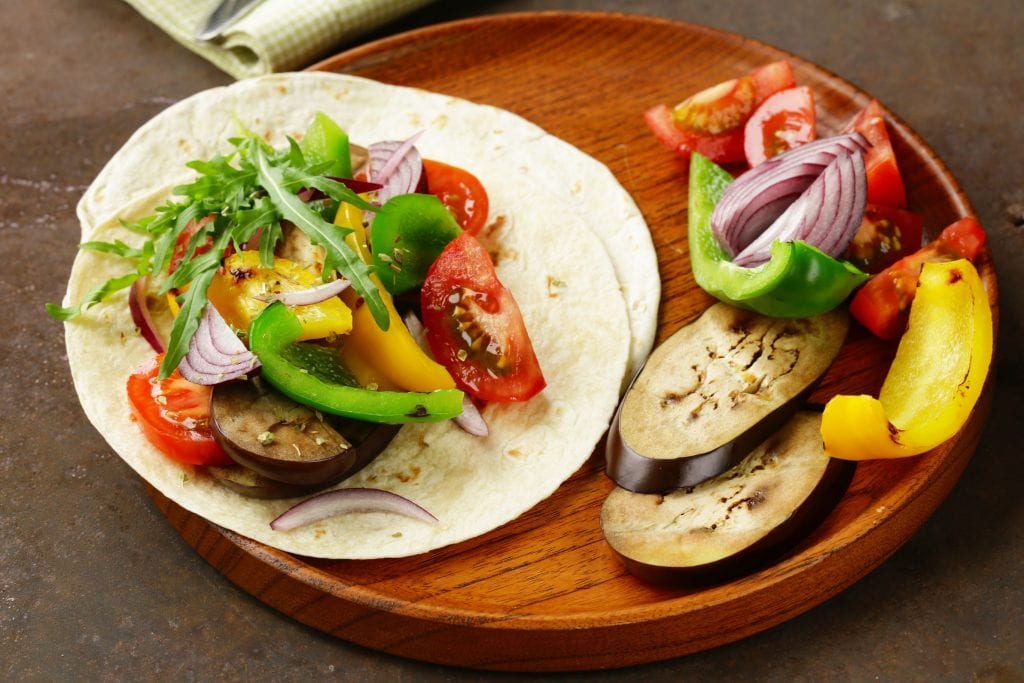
(554, 264)
(498, 146)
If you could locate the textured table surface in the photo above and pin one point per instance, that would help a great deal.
(95, 585)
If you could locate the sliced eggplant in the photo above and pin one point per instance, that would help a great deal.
(286, 441)
(252, 484)
(713, 391)
(732, 523)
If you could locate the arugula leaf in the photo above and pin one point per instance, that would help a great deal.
(271, 235)
(340, 256)
(249, 221)
(117, 247)
(332, 188)
(92, 297)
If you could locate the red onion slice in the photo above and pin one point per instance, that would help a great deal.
(196, 372)
(311, 295)
(854, 182)
(204, 357)
(760, 196)
(222, 338)
(141, 317)
(397, 166)
(356, 185)
(471, 420)
(346, 501)
(215, 354)
(395, 153)
(826, 215)
(416, 329)
(312, 194)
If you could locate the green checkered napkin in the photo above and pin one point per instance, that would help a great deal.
(276, 35)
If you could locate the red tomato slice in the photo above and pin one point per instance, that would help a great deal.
(184, 237)
(771, 78)
(174, 415)
(885, 184)
(783, 121)
(474, 326)
(460, 191)
(711, 122)
(883, 304)
(722, 149)
(885, 236)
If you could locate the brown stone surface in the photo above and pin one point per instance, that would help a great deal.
(94, 583)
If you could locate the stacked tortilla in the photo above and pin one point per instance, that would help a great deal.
(572, 247)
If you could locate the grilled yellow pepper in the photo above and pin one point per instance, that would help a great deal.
(388, 359)
(239, 294)
(935, 379)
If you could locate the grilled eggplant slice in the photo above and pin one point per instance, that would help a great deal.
(713, 391)
(252, 484)
(283, 440)
(732, 523)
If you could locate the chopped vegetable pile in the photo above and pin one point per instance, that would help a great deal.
(813, 221)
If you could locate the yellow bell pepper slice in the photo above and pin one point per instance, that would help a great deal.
(172, 304)
(388, 359)
(936, 376)
(237, 292)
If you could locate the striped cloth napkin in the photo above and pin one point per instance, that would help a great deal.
(276, 35)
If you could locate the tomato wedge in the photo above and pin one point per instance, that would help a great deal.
(184, 237)
(780, 123)
(883, 304)
(712, 121)
(174, 415)
(460, 191)
(474, 326)
(885, 183)
(885, 236)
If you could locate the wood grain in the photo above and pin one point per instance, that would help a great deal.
(504, 600)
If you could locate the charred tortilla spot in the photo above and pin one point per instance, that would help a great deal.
(494, 226)
(411, 475)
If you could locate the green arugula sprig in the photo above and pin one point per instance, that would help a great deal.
(143, 258)
(251, 188)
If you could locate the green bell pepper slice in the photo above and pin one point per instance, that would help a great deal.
(325, 141)
(311, 375)
(409, 232)
(798, 281)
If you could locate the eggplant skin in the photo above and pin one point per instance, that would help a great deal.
(251, 484)
(732, 524)
(713, 391)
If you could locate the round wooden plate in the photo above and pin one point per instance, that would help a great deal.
(545, 592)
